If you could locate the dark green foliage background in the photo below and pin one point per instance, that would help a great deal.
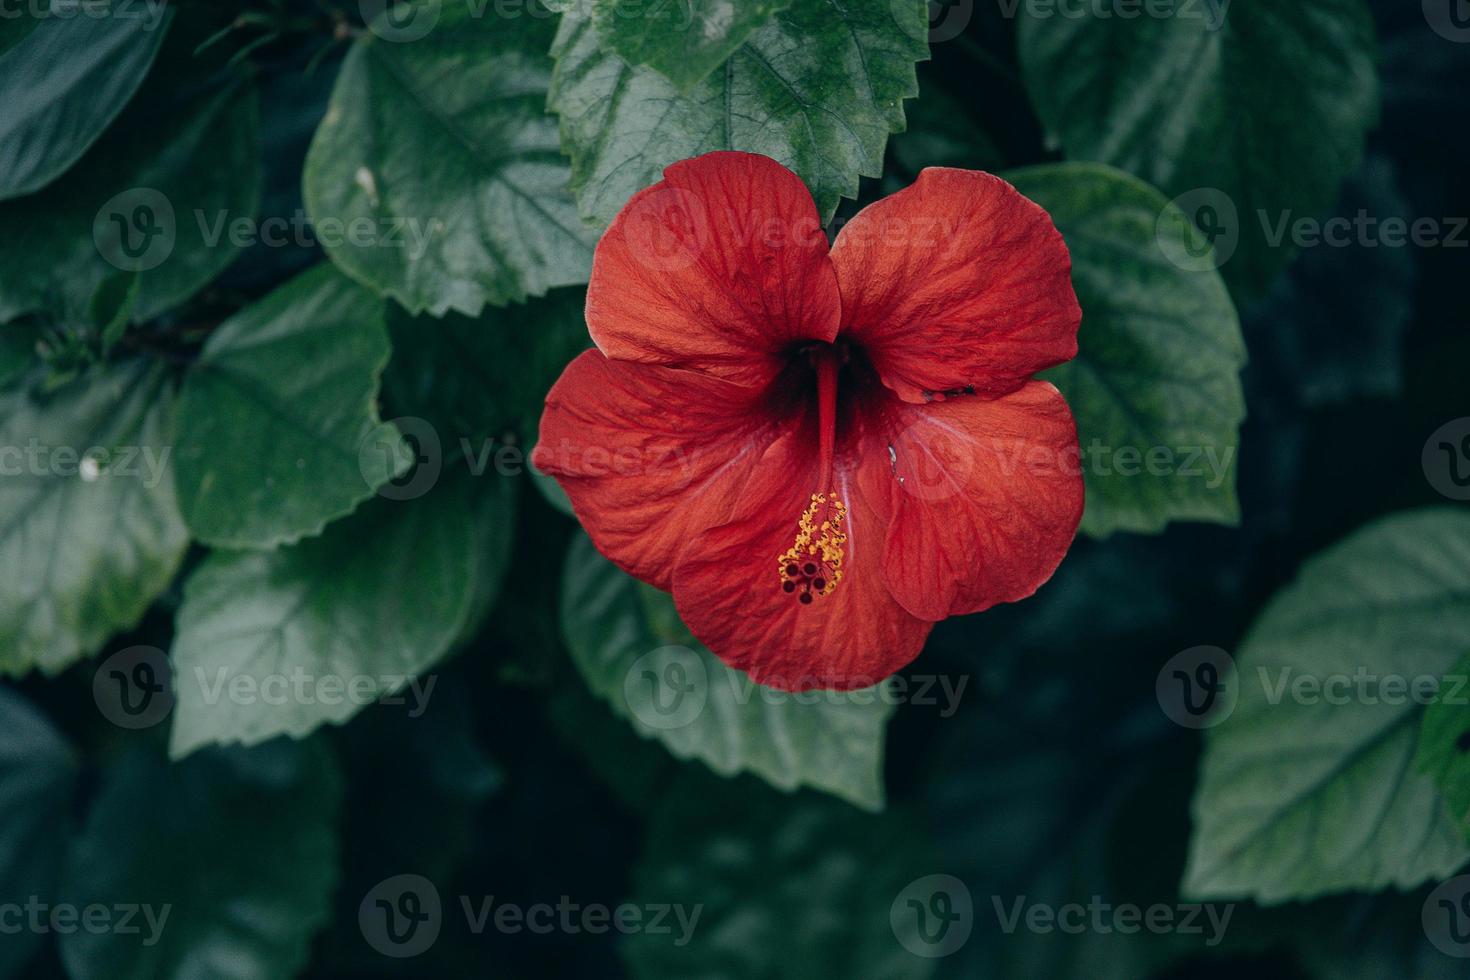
(530, 776)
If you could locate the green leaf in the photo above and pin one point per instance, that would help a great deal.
(1444, 742)
(1155, 386)
(711, 850)
(442, 147)
(66, 80)
(238, 850)
(278, 421)
(684, 40)
(480, 378)
(631, 649)
(154, 196)
(1306, 789)
(356, 614)
(1267, 104)
(819, 88)
(88, 518)
(38, 777)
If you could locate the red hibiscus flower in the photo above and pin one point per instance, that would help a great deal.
(822, 451)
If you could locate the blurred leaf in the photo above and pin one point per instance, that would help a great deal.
(1304, 795)
(239, 854)
(38, 777)
(15, 30)
(782, 888)
(1444, 742)
(89, 524)
(620, 633)
(633, 769)
(1155, 386)
(111, 308)
(1379, 936)
(443, 147)
(1267, 103)
(17, 349)
(1336, 320)
(1424, 80)
(480, 378)
(357, 614)
(278, 420)
(941, 132)
(684, 40)
(155, 195)
(417, 780)
(67, 79)
(293, 101)
(1036, 807)
(819, 89)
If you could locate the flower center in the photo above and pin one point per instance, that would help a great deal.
(813, 563)
(812, 566)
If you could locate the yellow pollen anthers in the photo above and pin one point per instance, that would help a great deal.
(813, 563)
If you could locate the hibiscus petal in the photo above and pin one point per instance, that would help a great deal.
(956, 283)
(985, 497)
(719, 267)
(728, 586)
(649, 456)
